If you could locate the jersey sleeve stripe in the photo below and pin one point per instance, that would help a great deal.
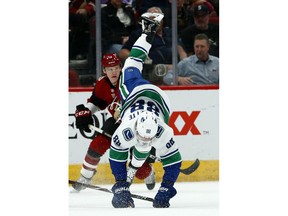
(169, 154)
(118, 155)
(173, 159)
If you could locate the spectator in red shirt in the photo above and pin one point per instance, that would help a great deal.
(80, 12)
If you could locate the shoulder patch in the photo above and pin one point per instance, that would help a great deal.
(128, 134)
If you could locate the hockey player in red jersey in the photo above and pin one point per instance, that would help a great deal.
(105, 96)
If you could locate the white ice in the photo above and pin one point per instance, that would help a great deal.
(192, 199)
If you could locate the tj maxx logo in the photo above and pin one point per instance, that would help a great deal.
(188, 122)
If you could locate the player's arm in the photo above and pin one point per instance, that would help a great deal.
(83, 115)
(118, 156)
(84, 112)
(171, 161)
(95, 103)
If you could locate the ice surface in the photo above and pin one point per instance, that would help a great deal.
(192, 199)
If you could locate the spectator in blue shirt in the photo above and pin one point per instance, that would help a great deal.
(198, 69)
(202, 25)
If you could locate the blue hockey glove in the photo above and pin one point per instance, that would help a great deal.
(165, 193)
(122, 196)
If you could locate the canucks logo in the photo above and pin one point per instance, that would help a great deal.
(128, 134)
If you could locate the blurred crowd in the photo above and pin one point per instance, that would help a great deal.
(197, 41)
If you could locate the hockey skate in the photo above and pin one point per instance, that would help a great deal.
(82, 179)
(150, 181)
(150, 23)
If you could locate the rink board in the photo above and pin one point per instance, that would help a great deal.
(207, 171)
(194, 119)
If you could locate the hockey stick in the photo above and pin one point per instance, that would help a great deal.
(191, 168)
(186, 171)
(92, 127)
(109, 191)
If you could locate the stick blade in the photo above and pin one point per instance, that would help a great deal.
(192, 168)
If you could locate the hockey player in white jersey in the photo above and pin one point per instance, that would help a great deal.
(144, 124)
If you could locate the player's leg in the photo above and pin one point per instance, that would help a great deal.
(150, 180)
(145, 172)
(97, 148)
(150, 23)
(132, 70)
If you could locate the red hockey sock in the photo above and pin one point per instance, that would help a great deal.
(143, 171)
(100, 144)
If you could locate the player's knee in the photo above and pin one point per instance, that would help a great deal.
(100, 144)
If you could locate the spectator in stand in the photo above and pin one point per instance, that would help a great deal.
(92, 46)
(215, 4)
(80, 11)
(118, 21)
(208, 3)
(213, 8)
(201, 14)
(198, 69)
(142, 6)
(183, 18)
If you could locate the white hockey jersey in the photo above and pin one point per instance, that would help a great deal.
(125, 136)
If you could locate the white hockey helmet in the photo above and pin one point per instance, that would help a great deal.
(146, 126)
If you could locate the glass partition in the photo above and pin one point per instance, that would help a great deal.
(100, 27)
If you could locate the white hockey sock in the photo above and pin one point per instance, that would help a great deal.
(140, 48)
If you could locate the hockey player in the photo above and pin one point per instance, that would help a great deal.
(104, 96)
(144, 115)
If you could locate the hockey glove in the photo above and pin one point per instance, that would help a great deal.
(122, 196)
(114, 109)
(83, 118)
(152, 157)
(110, 126)
(165, 193)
